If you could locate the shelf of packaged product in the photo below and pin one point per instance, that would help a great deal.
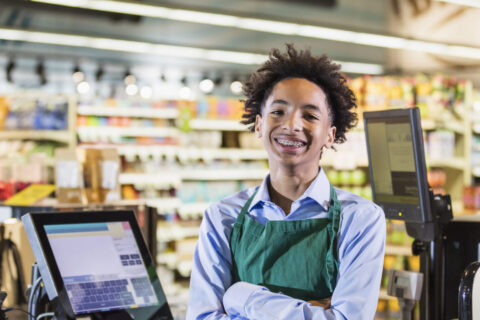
(134, 112)
(63, 136)
(158, 180)
(343, 161)
(395, 250)
(191, 153)
(346, 161)
(192, 210)
(456, 126)
(224, 174)
(221, 153)
(173, 231)
(452, 163)
(156, 132)
(174, 179)
(172, 262)
(218, 125)
(163, 205)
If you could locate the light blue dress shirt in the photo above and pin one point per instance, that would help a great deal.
(361, 248)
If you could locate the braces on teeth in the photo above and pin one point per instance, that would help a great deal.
(291, 143)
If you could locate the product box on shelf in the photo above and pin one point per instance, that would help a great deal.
(69, 177)
(87, 175)
(101, 169)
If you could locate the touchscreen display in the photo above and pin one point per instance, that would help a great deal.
(393, 161)
(101, 266)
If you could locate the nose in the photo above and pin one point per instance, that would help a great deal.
(293, 121)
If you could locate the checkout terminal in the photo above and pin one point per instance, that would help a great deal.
(94, 265)
(446, 247)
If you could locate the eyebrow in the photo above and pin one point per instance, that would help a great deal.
(312, 107)
(307, 106)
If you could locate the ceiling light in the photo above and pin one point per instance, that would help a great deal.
(272, 26)
(206, 85)
(365, 68)
(236, 87)
(129, 78)
(131, 89)
(77, 75)
(150, 48)
(185, 93)
(83, 87)
(146, 92)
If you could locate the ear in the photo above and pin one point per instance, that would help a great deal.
(258, 126)
(330, 137)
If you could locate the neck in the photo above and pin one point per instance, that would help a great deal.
(287, 184)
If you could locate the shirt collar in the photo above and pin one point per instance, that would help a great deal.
(319, 191)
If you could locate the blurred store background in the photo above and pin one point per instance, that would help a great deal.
(116, 104)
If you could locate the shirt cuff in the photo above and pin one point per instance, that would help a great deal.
(236, 297)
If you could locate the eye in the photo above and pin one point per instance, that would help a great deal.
(277, 112)
(310, 116)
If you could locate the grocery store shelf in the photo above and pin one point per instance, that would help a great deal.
(452, 163)
(384, 296)
(343, 161)
(172, 232)
(147, 151)
(476, 128)
(476, 172)
(398, 250)
(220, 125)
(222, 153)
(64, 136)
(223, 174)
(186, 154)
(138, 112)
(166, 179)
(155, 132)
(163, 179)
(163, 205)
(192, 210)
(451, 125)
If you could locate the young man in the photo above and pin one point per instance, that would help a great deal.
(294, 247)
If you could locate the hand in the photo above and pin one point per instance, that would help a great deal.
(324, 303)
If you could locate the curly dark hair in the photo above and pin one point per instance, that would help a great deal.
(301, 64)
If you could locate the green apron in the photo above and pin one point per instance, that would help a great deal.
(295, 257)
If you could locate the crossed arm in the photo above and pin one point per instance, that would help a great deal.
(361, 249)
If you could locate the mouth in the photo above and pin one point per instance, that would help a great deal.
(290, 143)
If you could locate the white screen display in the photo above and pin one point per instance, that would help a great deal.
(101, 266)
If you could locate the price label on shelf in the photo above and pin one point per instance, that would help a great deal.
(30, 194)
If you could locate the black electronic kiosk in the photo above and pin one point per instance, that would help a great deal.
(95, 265)
(399, 185)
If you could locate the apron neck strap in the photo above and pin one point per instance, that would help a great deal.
(243, 212)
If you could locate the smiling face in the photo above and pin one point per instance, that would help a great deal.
(295, 124)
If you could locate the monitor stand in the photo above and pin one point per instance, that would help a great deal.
(429, 246)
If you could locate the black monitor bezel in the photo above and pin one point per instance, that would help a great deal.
(409, 213)
(40, 219)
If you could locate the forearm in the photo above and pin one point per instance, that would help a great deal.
(256, 302)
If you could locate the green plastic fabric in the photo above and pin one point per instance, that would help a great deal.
(294, 257)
